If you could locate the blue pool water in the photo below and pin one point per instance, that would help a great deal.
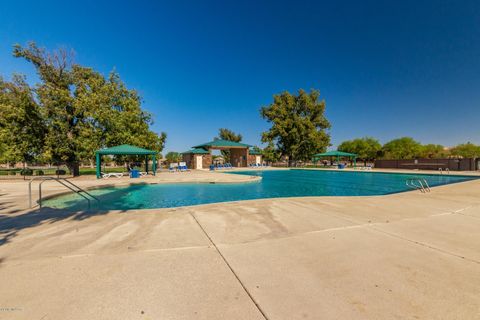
(274, 184)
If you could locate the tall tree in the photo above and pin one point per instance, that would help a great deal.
(270, 153)
(432, 151)
(21, 125)
(402, 148)
(466, 150)
(173, 156)
(366, 148)
(298, 125)
(84, 110)
(227, 134)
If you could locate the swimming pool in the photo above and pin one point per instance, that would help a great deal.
(274, 184)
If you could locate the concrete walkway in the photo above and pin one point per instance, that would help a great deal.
(401, 256)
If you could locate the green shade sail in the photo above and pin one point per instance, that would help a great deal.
(254, 152)
(222, 144)
(126, 149)
(196, 151)
(334, 154)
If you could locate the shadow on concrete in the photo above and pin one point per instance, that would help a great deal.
(74, 208)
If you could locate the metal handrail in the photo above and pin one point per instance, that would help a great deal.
(447, 170)
(79, 189)
(426, 185)
(422, 184)
(63, 181)
(411, 184)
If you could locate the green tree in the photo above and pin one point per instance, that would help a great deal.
(402, 148)
(432, 151)
(85, 111)
(466, 150)
(298, 125)
(366, 148)
(173, 156)
(21, 125)
(270, 153)
(227, 134)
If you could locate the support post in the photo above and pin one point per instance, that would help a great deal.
(98, 163)
(146, 163)
(154, 164)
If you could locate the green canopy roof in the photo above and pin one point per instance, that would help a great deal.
(334, 154)
(254, 152)
(125, 149)
(197, 151)
(222, 144)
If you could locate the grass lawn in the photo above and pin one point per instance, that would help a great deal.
(51, 171)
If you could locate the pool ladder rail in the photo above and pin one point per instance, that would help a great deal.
(64, 182)
(446, 170)
(418, 184)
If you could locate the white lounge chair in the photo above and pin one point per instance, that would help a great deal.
(111, 174)
(173, 167)
(143, 174)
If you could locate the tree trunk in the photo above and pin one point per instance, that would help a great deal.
(74, 168)
(290, 162)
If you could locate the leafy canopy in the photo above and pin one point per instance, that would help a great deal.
(432, 151)
(466, 150)
(271, 153)
(227, 134)
(21, 124)
(366, 148)
(83, 111)
(298, 124)
(173, 156)
(402, 148)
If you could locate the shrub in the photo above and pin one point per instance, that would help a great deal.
(60, 172)
(39, 172)
(26, 172)
(12, 173)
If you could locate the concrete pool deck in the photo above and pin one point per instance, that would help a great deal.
(402, 256)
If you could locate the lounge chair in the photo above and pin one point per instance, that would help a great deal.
(111, 174)
(173, 167)
(182, 167)
(143, 174)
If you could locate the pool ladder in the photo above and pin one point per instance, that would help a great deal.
(447, 170)
(64, 182)
(418, 184)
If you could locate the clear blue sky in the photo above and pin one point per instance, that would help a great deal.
(385, 68)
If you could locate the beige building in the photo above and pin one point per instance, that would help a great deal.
(200, 157)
